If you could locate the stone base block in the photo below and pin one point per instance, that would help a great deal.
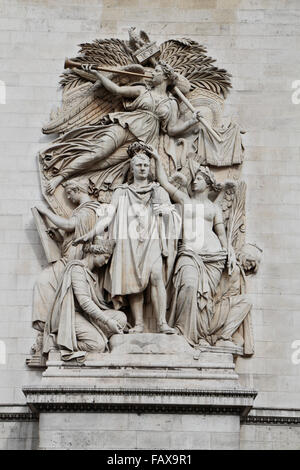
(151, 392)
(154, 360)
(130, 431)
(102, 418)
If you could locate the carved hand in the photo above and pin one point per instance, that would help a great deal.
(231, 261)
(89, 68)
(159, 209)
(153, 152)
(54, 234)
(114, 326)
(84, 239)
(42, 209)
(197, 117)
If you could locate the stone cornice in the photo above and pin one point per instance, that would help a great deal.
(18, 416)
(271, 420)
(141, 391)
(135, 408)
(273, 416)
(137, 400)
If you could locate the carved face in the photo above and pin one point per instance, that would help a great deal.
(140, 167)
(158, 76)
(250, 257)
(249, 265)
(100, 260)
(199, 184)
(73, 194)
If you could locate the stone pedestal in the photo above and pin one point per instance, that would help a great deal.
(151, 392)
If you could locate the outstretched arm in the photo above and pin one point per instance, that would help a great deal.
(65, 224)
(175, 193)
(99, 228)
(82, 293)
(126, 91)
(177, 127)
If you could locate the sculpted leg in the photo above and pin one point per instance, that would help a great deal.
(106, 146)
(88, 338)
(187, 318)
(235, 311)
(136, 302)
(159, 298)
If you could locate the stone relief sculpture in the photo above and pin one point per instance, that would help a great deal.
(101, 114)
(209, 302)
(231, 320)
(140, 145)
(83, 218)
(80, 320)
(145, 245)
(148, 108)
(201, 256)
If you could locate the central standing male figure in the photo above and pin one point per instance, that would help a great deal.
(144, 225)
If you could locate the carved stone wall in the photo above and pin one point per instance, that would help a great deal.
(19, 428)
(257, 43)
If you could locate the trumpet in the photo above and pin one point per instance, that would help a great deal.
(70, 64)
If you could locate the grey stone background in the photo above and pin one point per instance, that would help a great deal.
(257, 41)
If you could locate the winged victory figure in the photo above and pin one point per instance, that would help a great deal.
(208, 304)
(102, 113)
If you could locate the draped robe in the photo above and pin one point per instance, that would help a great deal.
(195, 281)
(141, 238)
(72, 324)
(85, 216)
(73, 152)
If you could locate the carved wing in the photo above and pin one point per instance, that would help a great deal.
(189, 58)
(236, 218)
(232, 201)
(101, 52)
(84, 104)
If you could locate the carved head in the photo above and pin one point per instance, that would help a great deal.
(158, 76)
(74, 190)
(140, 161)
(140, 166)
(249, 257)
(164, 72)
(99, 252)
(167, 70)
(204, 179)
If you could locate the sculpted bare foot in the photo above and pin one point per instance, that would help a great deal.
(53, 183)
(165, 328)
(137, 329)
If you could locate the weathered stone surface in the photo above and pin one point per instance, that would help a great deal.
(261, 100)
(206, 271)
(147, 343)
(151, 431)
